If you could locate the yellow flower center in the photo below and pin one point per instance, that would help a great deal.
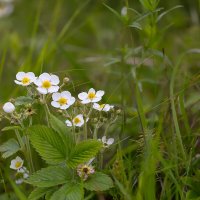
(91, 95)
(18, 164)
(26, 80)
(101, 106)
(76, 120)
(46, 84)
(62, 101)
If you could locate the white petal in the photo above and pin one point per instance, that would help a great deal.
(80, 116)
(106, 108)
(86, 101)
(18, 82)
(45, 76)
(19, 159)
(38, 82)
(96, 106)
(104, 139)
(82, 95)
(42, 90)
(66, 94)
(68, 123)
(53, 89)
(55, 104)
(25, 175)
(100, 93)
(110, 141)
(71, 101)
(64, 107)
(91, 90)
(20, 75)
(54, 79)
(56, 96)
(31, 75)
(96, 99)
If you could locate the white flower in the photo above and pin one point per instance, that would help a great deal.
(102, 107)
(25, 79)
(106, 142)
(8, 107)
(91, 96)
(62, 100)
(17, 163)
(77, 121)
(47, 83)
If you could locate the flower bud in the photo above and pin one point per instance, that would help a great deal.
(8, 107)
(65, 80)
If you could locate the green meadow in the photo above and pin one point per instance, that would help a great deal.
(145, 56)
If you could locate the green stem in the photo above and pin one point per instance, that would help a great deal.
(85, 130)
(95, 132)
(19, 138)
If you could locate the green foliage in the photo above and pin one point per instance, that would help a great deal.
(9, 148)
(98, 182)
(50, 176)
(69, 191)
(23, 100)
(63, 131)
(38, 193)
(83, 152)
(48, 144)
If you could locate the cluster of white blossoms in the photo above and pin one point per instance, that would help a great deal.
(22, 172)
(47, 85)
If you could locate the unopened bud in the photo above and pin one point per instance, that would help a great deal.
(65, 80)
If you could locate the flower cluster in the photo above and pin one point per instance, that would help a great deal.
(22, 172)
(85, 110)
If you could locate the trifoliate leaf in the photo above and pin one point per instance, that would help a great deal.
(50, 176)
(98, 182)
(48, 144)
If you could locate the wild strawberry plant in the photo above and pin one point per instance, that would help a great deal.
(70, 138)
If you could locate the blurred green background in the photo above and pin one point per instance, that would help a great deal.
(96, 46)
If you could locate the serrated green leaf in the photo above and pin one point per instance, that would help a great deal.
(9, 148)
(62, 130)
(48, 144)
(50, 176)
(83, 152)
(69, 191)
(98, 182)
(38, 193)
(50, 193)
